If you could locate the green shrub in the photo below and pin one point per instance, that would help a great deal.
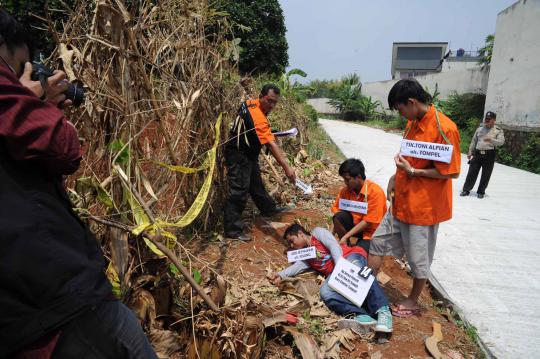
(350, 103)
(311, 113)
(461, 108)
(529, 157)
(323, 88)
(466, 133)
(347, 97)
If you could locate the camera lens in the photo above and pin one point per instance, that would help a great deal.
(75, 94)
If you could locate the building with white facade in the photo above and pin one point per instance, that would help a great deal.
(514, 81)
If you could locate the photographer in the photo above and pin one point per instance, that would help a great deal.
(55, 300)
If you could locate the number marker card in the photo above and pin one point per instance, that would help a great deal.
(350, 281)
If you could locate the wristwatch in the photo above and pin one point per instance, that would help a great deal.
(411, 172)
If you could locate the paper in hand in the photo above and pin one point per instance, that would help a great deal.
(304, 186)
(288, 133)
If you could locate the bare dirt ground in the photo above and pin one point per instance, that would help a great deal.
(245, 265)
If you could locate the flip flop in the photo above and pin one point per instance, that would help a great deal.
(402, 312)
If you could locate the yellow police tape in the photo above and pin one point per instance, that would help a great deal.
(144, 223)
(184, 169)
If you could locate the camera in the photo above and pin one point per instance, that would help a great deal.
(74, 93)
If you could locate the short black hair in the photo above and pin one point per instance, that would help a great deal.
(353, 167)
(268, 87)
(14, 33)
(405, 89)
(293, 230)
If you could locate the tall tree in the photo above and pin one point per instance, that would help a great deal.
(261, 27)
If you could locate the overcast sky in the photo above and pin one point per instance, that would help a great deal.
(332, 38)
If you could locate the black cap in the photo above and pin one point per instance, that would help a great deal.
(491, 114)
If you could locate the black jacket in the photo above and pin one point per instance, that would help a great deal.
(51, 266)
(242, 135)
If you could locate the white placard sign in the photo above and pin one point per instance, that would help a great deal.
(346, 280)
(304, 186)
(353, 206)
(427, 150)
(302, 254)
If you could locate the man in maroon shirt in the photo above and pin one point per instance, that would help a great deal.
(55, 300)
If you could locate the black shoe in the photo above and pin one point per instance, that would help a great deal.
(480, 195)
(244, 237)
(464, 193)
(275, 212)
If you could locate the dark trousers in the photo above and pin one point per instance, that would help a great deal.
(480, 161)
(109, 330)
(244, 177)
(346, 220)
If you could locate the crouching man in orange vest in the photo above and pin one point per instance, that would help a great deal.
(359, 206)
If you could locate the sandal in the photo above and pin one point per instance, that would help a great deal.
(402, 312)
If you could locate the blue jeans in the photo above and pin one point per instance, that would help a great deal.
(106, 330)
(374, 301)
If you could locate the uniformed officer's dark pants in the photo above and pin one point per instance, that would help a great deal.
(244, 177)
(480, 161)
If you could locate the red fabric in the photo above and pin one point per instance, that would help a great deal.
(324, 263)
(36, 130)
(40, 349)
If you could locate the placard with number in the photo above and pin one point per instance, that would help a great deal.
(347, 280)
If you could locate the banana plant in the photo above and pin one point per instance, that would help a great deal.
(294, 90)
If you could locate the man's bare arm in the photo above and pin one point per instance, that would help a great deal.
(282, 160)
(433, 173)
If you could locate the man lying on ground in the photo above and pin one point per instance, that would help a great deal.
(329, 251)
(359, 206)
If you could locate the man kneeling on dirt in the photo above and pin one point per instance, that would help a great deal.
(329, 251)
(359, 206)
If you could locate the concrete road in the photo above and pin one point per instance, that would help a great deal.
(488, 256)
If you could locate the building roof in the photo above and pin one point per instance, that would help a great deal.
(417, 56)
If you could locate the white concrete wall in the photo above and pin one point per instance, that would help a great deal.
(321, 105)
(514, 84)
(461, 81)
(449, 66)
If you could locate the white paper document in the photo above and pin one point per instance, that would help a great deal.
(288, 133)
(353, 206)
(304, 186)
(347, 281)
(302, 254)
(427, 150)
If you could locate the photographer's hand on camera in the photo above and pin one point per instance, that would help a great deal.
(54, 90)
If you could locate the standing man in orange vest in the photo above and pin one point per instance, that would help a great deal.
(251, 131)
(421, 188)
(359, 206)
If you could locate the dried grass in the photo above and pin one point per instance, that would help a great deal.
(156, 82)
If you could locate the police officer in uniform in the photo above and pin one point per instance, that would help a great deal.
(482, 154)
